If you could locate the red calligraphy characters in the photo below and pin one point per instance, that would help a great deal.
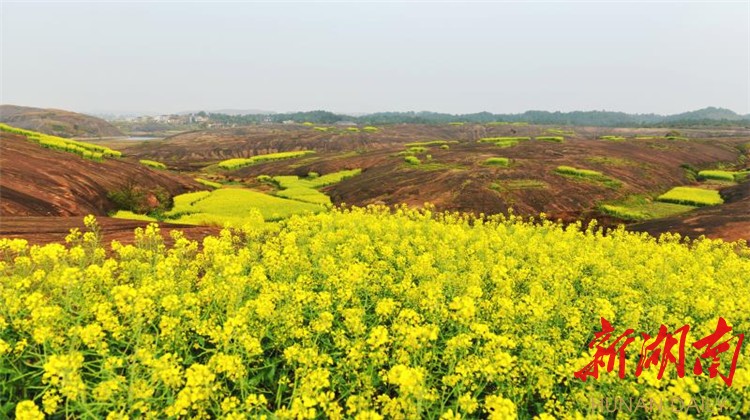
(665, 349)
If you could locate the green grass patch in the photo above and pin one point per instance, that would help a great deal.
(241, 162)
(323, 129)
(638, 207)
(370, 129)
(208, 183)
(692, 196)
(412, 160)
(720, 175)
(560, 132)
(588, 175)
(611, 161)
(504, 141)
(497, 161)
(613, 138)
(353, 129)
(456, 123)
(82, 149)
(124, 214)
(152, 164)
(553, 139)
(519, 184)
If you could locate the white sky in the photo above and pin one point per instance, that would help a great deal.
(164, 57)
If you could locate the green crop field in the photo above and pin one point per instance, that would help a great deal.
(80, 148)
(497, 161)
(305, 189)
(613, 138)
(503, 141)
(241, 162)
(152, 164)
(720, 175)
(232, 204)
(412, 160)
(637, 207)
(692, 196)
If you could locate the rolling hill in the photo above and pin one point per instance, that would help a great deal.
(57, 122)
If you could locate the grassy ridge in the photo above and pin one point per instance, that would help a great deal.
(152, 164)
(83, 149)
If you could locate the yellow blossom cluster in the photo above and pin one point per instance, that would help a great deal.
(357, 313)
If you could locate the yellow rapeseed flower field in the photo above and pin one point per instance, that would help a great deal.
(356, 313)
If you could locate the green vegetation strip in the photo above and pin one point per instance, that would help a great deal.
(241, 162)
(613, 138)
(503, 141)
(153, 164)
(720, 175)
(553, 139)
(83, 149)
(692, 196)
(430, 143)
(208, 183)
(497, 161)
(588, 175)
(412, 160)
(519, 184)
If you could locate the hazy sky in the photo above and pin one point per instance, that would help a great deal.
(363, 57)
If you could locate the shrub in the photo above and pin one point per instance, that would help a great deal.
(412, 160)
(140, 199)
(324, 129)
(353, 129)
(445, 147)
(497, 161)
(692, 196)
(153, 164)
(371, 129)
(313, 175)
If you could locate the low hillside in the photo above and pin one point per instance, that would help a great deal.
(37, 181)
(57, 122)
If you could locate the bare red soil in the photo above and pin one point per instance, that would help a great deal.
(42, 182)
